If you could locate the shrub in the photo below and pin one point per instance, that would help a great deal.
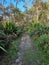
(43, 44)
(10, 27)
(40, 34)
(4, 41)
(1, 26)
(9, 34)
(38, 29)
(19, 30)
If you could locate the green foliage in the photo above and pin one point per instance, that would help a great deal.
(12, 53)
(14, 49)
(40, 35)
(10, 27)
(9, 34)
(38, 29)
(43, 44)
(1, 25)
(3, 49)
(43, 41)
(3, 41)
(20, 30)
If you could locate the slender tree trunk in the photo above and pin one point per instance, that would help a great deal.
(37, 11)
(37, 14)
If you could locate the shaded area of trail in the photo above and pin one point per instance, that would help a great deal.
(27, 54)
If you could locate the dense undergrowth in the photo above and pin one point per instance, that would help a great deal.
(10, 35)
(9, 58)
(9, 39)
(40, 35)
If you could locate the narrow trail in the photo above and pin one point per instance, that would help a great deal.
(26, 50)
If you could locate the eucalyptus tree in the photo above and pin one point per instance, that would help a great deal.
(39, 11)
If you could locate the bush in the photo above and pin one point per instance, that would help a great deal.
(11, 28)
(9, 33)
(19, 30)
(40, 34)
(38, 29)
(3, 41)
(43, 44)
(1, 26)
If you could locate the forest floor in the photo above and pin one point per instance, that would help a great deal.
(28, 53)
